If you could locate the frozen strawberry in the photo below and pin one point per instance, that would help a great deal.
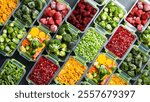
(139, 27)
(61, 6)
(43, 20)
(140, 5)
(138, 13)
(146, 7)
(51, 13)
(58, 16)
(145, 16)
(64, 12)
(50, 21)
(144, 22)
(47, 10)
(58, 22)
(135, 9)
(53, 5)
(53, 28)
(129, 19)
(137, 21)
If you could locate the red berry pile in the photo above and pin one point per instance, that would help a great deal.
(82, 15)
(54, 15)
(43, 71)
(120, 42)
(139, 15)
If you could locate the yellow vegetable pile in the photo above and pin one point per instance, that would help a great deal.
(115, 80)
(71, 72)
(6, 9)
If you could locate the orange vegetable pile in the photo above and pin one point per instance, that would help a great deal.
(6, 9)
(71, 72)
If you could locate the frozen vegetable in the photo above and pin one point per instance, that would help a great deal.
(144, 37)
(144, 78)
(10, 38)
(139, 15)
(65, 40)
(54, 15)
(34, 43)
(82, 15)
(134, 62)
(11, 73)
(120, 42)
(117, 80)
(43, 71)
(110, 16)
(6, 9)
(71, 72)
(90, 44)
(29, 10)
(101, 69)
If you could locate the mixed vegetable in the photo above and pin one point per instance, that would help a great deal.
(116, 79)
(6, 9)
(101, 69)
(54, 14)
(134, 62)
(64, 41)
(110, 17)
(139, 15)
(43, 71)
(10, 38)
(82, 15)
(144, 78)
(29, 10)
(34, 43)
(90, 44)
(144, 37)
(120, 42)
(71, 72)
(11, 73)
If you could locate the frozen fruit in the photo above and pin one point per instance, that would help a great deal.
(61, 6)
(53, 28)
(58, 22)
(58, 16)
(139, 27)
(145, 16)
(51, 13)
(146, 7)
(53, 5)
(50, 20)
(43, 20)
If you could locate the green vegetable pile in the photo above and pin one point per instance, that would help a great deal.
(90, 44)
(110, 17)
(144, 78)
(10, 74)
(29, 10)
(134, 62)
(64, 41)
(10, 38)
(144, 37)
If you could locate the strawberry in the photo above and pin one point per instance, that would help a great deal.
(140, 5)
(47, 10)
(53, 28)
(145, 16)
(43, 20)
(51, 13)
(53, 5)
(144, 21)
(137, 21)
(50, 21)
(146, 7)
(61, 6)
(58, 22)
(64, 12)
(138, 13)
(58, 16)
(129, 19)
(135, 9)
(139, 27)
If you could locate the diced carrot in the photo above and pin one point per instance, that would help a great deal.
(25, 42)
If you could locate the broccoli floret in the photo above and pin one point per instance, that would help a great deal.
(31, 4)
(55, 41)
(35, 13)
(67, 38)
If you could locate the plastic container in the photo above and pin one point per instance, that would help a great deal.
(103, 63)
(20, 27)
(129, 24)
(61, 1)
(28, 25)
(16, 63)
(18, 4)
(118, 5)
(140, 49)
(94, 5)
(68, 52)
(49, 58)
(101, 37)
(127, 50)
(77, 60)
(41, 28)
(123, 80)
